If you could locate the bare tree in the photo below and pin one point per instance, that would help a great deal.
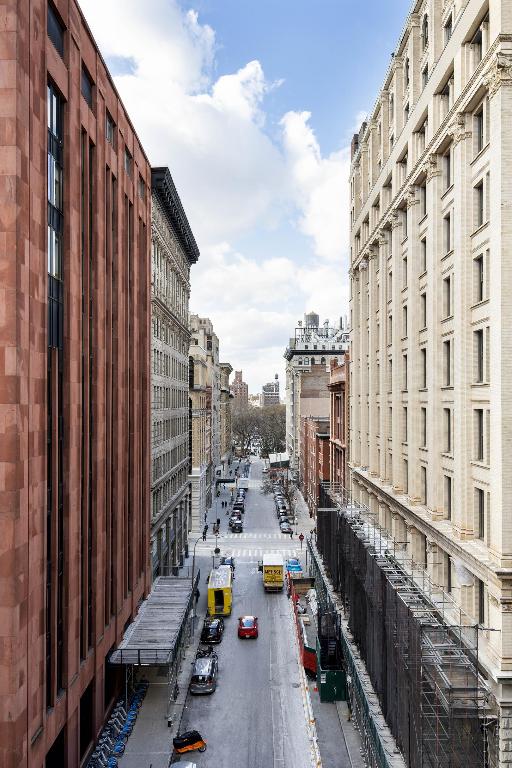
(245, 425)
(272, 429)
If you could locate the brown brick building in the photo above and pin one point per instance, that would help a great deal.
(314, 458)
(339, 390)
(74, 364)
(240, 390)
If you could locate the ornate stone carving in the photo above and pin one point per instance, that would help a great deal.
(499, 73)
(431, 167)
(394, 220)
(457, 130)
(410, 198)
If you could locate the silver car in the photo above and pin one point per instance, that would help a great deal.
(204, 675)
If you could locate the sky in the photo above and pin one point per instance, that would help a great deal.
(252, 105)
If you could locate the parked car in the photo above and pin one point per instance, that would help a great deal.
(264, 471)
(283, 519)
(234, 519)
(285, 527)
(293, 565)
(213, 629)
(237, 526)
(228, 560)
(204, 675)
(248, 626)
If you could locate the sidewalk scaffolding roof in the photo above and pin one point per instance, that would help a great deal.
(154, 636)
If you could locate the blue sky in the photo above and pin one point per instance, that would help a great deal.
(252, 105)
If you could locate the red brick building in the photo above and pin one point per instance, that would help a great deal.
(240, 390)
(339, 391)
(74, 399)
(314, 458)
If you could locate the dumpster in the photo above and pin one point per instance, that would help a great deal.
(331, 677)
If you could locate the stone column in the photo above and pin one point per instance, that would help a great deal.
(355, 363)
(394, 306)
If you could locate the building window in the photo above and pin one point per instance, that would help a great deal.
(55, 108)
(447, 363)
(424, 76)
(480, 512)
(447, 296)
(423, 255)
(447, 430)
(448, 496)
(447, 169)
(478, 277)
(481, 601)
(478, 428)
(110, 128)
(404, 372)
(128, 162)
(423, 309)
(406, 476)
(424, 32)
(423, 353)
(404, 272)
(478, 348)
(406, 113)
(404, 321)
(479, 204)
(447, 233)
(405, 432)
(142, 188)
(423, 199)
(478, 129)
(476, 48)
(56, 30)
(87, 86)
(448, 29)
(424, 496)
(423, 413)
(407, 72)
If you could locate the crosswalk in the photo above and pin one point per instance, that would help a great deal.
(251, 553)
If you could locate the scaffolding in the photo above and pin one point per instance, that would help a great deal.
(420, 649)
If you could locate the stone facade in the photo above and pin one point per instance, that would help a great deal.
(226, 431)
(339, 422)
(308, 357)
(173, 252)
(205, 396)
(431, 216)
(74, 384)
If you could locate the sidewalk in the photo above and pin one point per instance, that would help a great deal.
(338, 741)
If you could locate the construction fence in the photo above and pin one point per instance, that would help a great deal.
(420, 651)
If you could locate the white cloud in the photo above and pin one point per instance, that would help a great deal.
(232, 177)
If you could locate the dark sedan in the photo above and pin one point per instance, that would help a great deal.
(212, 631)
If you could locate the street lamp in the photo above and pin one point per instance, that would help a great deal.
(194, 561)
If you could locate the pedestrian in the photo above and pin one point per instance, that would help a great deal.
(291, 534)
(204, 535)
(197, 595)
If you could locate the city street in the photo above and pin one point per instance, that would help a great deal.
(256, 716)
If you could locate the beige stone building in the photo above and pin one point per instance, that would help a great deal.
(205, 396)
(431, 280)
(226, 432)
(308, 356)
(173, 251)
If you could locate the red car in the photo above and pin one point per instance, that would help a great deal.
(248, 626)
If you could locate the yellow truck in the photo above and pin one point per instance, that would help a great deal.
(272, 567)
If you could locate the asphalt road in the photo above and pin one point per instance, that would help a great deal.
(255, 718)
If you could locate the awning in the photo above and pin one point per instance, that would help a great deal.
(154, 636)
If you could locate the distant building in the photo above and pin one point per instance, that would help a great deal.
(173, 252)
(339, 422)
(240, 389)
(270, 393)
(226, 399)
(314, 459)
(255, 401)
(308, 357)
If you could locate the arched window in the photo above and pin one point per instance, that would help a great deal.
(424, 31)
(322, 361)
